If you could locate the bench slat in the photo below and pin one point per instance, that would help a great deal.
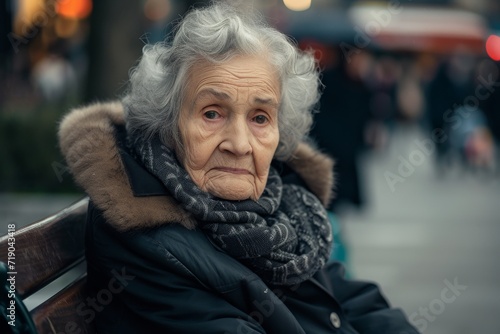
(59, 314)
(48, 248)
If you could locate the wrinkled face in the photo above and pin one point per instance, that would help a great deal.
(229, 126)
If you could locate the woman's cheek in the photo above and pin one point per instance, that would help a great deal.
(195, 157)
(268, 137)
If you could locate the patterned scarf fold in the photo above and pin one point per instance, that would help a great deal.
(284, 236)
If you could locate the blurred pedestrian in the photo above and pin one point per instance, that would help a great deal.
(339, 126)
(453, 83)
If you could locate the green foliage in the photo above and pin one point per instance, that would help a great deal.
(30, 156)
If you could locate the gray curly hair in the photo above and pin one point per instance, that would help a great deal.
(215, 34)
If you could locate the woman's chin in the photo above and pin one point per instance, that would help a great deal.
(233, 192)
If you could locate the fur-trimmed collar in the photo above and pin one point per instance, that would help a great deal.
(88, 143)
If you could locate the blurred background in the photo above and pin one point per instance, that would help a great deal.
(410, 111)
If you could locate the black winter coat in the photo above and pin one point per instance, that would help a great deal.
(150, 270)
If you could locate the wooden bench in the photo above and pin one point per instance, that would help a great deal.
(39, 254)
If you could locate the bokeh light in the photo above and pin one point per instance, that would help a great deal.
(493, 47)
(297, 5)
(74, 9)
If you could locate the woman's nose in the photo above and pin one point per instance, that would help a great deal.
(236, 138)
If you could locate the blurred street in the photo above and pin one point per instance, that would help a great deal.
(431, 233)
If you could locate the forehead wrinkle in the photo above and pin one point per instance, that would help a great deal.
(240, 76)
(210, 83)
(263, 97)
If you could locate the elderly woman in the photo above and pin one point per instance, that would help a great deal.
(207, 207)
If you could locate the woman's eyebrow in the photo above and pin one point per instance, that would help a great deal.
(211, 92)
(269, 101)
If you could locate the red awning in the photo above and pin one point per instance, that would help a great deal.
(432, 29)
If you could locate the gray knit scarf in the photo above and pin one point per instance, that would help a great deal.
(284, 237)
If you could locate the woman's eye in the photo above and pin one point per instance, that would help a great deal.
(211, 114)
(260, 119)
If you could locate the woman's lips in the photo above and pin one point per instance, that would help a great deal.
(233, 170)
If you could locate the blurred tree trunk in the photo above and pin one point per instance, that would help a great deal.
(114, 46)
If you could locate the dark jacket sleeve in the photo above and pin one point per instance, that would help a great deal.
(131, 293)
(364, 305)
